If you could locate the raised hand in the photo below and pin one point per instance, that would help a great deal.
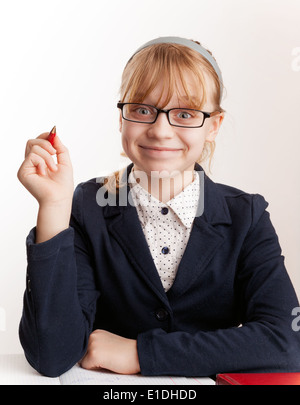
(49, 182)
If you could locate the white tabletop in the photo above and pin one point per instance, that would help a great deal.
(15, 370)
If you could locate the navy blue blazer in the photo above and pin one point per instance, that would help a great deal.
(229, 309)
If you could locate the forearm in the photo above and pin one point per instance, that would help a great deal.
(255, 347)
(54, 328)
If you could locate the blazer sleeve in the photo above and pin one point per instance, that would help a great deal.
(265, 341)
(59, 305)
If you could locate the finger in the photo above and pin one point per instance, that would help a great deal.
(44, 135)
(62, 152)
(33, 164)
(40, 151)
(42, 143)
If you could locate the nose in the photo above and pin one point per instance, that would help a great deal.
(161, 127)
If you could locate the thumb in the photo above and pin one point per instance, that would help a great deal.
(62, 152)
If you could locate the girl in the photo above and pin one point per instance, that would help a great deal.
(183, 276)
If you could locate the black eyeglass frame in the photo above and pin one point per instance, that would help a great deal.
(159, 110)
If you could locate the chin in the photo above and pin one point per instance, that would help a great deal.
(161, 170)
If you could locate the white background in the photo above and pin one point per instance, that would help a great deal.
(61, 62)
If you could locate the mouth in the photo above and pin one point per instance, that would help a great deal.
(160, 148)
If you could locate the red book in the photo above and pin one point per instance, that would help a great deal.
(258, 379)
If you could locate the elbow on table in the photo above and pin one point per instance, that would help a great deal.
(51, 355)
(50, 368)
(51, 362)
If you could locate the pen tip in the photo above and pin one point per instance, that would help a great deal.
(53, 130)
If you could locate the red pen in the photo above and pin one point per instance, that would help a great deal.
(52, 135)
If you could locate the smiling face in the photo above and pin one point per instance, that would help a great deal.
(169, 76)
(160, 147)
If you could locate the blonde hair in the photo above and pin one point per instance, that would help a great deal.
(168, 62)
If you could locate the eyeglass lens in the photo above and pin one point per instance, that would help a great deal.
(177, 116)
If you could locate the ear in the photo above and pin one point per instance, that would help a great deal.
(214, 127)
(120, 122)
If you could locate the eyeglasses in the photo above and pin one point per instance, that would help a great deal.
(177, 117)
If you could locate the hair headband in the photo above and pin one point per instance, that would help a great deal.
(190, 44)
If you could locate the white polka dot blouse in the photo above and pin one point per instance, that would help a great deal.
(166, 226)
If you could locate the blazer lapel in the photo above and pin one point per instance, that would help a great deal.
(124, 225)
(205, 239)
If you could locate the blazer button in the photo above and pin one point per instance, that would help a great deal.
(161, 314)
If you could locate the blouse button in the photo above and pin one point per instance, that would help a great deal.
(164, 210)
(165, 250)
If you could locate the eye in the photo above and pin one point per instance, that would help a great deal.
(184, 115)
(143, 111)
(139, 112)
